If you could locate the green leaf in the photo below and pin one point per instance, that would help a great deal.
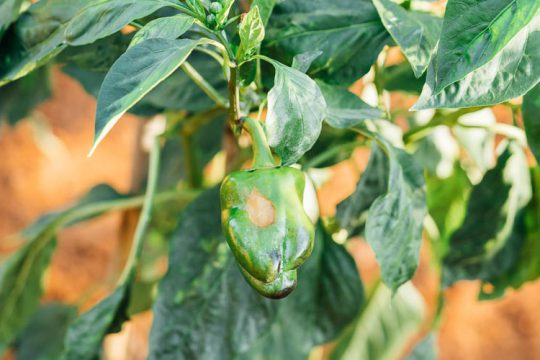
(415, 33)
(171, 27)
(21, 275)
(511, 73)
(302, 62)
(21, 285)
(531, 120)
(265, 8)
(9, 11)
(395, 220)
(43, 337)
(139, 70)
(20, 98)
(352, 212)
(401, 78)
(205, 308)
(296, 109)
(426, 349)
(385, 326)
(474, 33)
(224, 14)
(103, 18)
(251, 32)
(328, 298)
(342, 30)
(526, 266)
(489, 239)
(345, 109)
(36, 37)
(85, 335)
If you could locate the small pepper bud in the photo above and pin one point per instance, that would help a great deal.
(215, 8)
(211, 20)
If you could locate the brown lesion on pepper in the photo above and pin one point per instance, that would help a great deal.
(260, 210)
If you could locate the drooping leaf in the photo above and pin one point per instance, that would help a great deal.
(103, 18)
(36, 37)
(85, 335)
(352, 212)
(489, 239)
(395, 219)
(526, 266)
(344, 109)
(204, 292)
(415, 33)
(251, 32)
(384, 327)
(531, 120)
(328, 298)
(302, 62)
(43, 337)
(135, 74)
(21, 275)
(511, 73)
(9, 11)
(265, 9)
(296, 109)
(171, 27)
(474, 33)
(426, 349)
(343, 30)
(20, 98)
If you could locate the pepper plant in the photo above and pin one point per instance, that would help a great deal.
(265, 86)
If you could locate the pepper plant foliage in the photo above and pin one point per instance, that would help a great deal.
(280, 71)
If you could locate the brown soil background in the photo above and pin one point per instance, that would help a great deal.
(33, 182)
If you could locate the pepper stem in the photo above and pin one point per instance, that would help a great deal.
(262, 156)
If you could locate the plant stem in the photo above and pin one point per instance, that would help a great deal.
(204, 85)
(146, 212)
(262, 156)
(192, 166)
(234, 100)
(328, 154)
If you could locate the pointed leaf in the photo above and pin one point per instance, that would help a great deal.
(415, 33)
(531, 120)
(171, 27)
(511, 73)
(251, 32)
(103, 18)
(139, 70)
(474, 32)
(265, 8)
(296, 109)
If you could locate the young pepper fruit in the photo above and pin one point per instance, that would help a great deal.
(264, 220)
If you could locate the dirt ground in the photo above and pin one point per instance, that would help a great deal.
(33, 181)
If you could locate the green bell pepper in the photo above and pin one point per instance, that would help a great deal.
(264, 221)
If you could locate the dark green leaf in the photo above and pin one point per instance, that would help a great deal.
(531, 120)
(36, 37)
(85, 335)
(43, 337)
(352, 212)
(385, 326)
(344, 109)
(415, 33)
(251, 32)
(205, 309)
(135, 74)
(296, 109)
(328, 298)
(488, 241)
(526, 266)
(265, 8)
(348, 32)
(395, 220)
(171, 27)
(103, 18)
(426, 349)
(20, 98)
(401, 78)
(474, 32)
(511, 73)
(9, 11)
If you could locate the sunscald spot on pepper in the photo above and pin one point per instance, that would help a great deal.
(260, 210)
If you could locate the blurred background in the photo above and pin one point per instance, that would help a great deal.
(43, 167)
